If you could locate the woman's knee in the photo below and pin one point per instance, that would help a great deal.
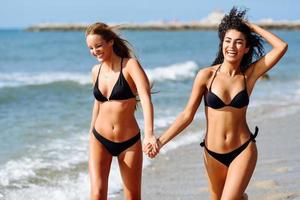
(98, 191)
(234, 197)
(215, 195)
(133, 194)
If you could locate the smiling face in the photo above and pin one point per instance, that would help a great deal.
(234, 46)
(99, 48)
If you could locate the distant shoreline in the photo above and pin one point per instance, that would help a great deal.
(172, 26)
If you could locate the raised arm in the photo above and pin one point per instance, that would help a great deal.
(143, 88)
(187, 115)
(279, 47)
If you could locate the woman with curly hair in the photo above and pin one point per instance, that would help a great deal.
(230, 152)
(117, 80)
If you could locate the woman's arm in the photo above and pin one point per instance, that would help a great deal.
(187, 115)
(96, 106)
(279, 47)
(94, 115)
(141, 81)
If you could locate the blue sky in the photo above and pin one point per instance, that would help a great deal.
(17, 13)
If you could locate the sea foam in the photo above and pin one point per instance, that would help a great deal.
(177, 71)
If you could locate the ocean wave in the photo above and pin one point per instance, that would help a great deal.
(55, 156)
(178, 71)
(24, 79)
(65, 188)
(15, 170)
(27, 176)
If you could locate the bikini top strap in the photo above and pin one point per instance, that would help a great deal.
(98, 72)
(214, 77)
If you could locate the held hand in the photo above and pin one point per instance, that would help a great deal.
(150, 146)
(150, 140)
(150, 151)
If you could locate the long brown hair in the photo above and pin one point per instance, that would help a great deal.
(121, 47)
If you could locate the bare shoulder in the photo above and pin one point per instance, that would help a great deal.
(131, 63)
(95, 71)
(206, 73)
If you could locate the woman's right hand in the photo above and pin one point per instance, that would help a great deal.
(151, 147)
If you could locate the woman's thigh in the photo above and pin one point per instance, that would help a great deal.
(99, 165)
(216, 173)
(130, 162)
(240, 172)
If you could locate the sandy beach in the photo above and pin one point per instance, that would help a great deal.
(179, 174)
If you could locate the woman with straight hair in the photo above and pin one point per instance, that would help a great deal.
(117, 80)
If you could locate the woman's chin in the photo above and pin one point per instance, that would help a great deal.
(232, 60)
(100, 59)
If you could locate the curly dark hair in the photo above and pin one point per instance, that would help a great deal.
(236, 20)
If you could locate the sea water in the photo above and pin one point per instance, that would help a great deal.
(46, 101)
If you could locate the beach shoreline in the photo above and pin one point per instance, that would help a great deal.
(180, 173)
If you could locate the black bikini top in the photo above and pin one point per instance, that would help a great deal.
(120, 91)
(240, 100)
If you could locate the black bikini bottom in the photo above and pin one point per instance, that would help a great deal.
(115, 148)
(227, 158)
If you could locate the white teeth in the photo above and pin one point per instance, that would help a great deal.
(231, 53)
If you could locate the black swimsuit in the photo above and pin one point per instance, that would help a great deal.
(239, 101)
(115, 148)
(120, 91)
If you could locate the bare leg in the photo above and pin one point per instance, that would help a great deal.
(216, 173)
(99, 167)
(130, 162)
(239, 174)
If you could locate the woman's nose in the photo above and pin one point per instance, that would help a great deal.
(94, 52)
(231, 44)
